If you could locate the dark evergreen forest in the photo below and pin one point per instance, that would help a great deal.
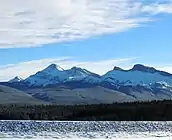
(137, 111)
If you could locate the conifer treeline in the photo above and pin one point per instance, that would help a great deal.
(155, 110)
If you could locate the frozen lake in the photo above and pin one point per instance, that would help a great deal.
(42, 130)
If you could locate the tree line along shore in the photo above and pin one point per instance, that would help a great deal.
(136, 111)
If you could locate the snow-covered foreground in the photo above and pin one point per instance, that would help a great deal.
(43, 130)
(146, 138)
(122, 137)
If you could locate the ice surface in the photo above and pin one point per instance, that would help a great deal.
(44, 130)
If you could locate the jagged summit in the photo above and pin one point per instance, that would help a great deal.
(137, 67)
(143, 68)
(139, 83)
(76, 68)
(54, 74)
(15, 79)
(53, 67)
(83, 72)
(138, 75)
(117, 68)
(79, 69)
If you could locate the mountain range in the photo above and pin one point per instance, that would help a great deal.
(80, 86)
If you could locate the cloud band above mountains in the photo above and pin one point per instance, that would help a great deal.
(25, 69)
(31, 23)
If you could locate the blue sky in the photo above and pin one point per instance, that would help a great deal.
(142, 35)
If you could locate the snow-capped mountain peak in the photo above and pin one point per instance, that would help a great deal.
(141, 82)
(138, 75)
(147, 69)
(85, 72)
(140, 67)
(118, 68)
(79, 74)
(51, 75)
(76, 69)
(15, 79)
(53, 67)
(54, 74)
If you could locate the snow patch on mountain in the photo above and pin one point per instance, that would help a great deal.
(54, 74)
(15, 79)
(138, 75)
(135, 78)
(141, 83)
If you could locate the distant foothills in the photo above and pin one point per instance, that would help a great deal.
(78, 94)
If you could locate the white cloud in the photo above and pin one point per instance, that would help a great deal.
(158, 8)
(28, 23)
(25, 69)
(166, 68)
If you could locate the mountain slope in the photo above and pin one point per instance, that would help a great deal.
(15, 80)
(93, 95)
(141, 83)
(138, 75)
(53, 74)
(13, 96)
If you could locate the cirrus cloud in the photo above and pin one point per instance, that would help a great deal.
(31, 23)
